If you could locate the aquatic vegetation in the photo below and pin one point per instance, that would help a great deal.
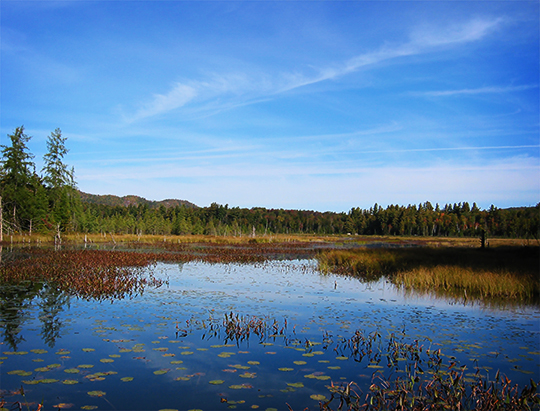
(83, 273)
(239, 328)
(443, 391)
(502, 272)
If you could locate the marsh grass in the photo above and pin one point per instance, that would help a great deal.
(467, 282)
(111, 238)
(499, 272)
(336, 240)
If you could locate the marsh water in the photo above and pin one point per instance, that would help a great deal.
(169, 348)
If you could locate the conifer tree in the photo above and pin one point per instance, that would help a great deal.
(60, 182)
(19, 185)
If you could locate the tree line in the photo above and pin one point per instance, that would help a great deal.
(50, 202)
(412, 220)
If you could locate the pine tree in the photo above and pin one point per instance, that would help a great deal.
(19, 184)
(60, 183)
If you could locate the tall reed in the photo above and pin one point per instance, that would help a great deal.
(502, 272)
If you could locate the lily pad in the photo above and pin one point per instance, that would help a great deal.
(72, 370)
(63, 405)
(126, 379)
(318, 397)
(96, 393)
(240, 386)
(216, 382)
(240, 366)
(70, 382)
(22, 373)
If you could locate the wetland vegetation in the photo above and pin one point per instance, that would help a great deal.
(509, 273)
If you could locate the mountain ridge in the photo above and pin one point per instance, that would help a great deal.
(132, 200)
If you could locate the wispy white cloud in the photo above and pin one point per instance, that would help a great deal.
(421, 41)
(463, 148)
(178, 96)
(222, 92)
(466, 32)
(481, 90)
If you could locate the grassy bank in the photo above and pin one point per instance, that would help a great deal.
(343, 241)
(81, 238)
(499, 272)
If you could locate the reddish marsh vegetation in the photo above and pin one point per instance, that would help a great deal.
(85, 273)
(101, 274)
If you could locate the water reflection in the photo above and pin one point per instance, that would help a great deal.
(53, 302)
(17, 307)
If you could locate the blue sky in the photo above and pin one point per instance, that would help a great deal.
(321, 105)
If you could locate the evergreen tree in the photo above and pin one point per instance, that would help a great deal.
(19, 184)
(60, 183)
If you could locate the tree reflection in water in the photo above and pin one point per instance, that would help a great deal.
(51, 304)
(17, 304)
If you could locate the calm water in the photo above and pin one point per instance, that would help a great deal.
(167, 349)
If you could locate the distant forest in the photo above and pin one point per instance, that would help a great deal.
(423, 220)
(50, 202)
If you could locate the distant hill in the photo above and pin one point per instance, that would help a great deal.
(112, 200)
